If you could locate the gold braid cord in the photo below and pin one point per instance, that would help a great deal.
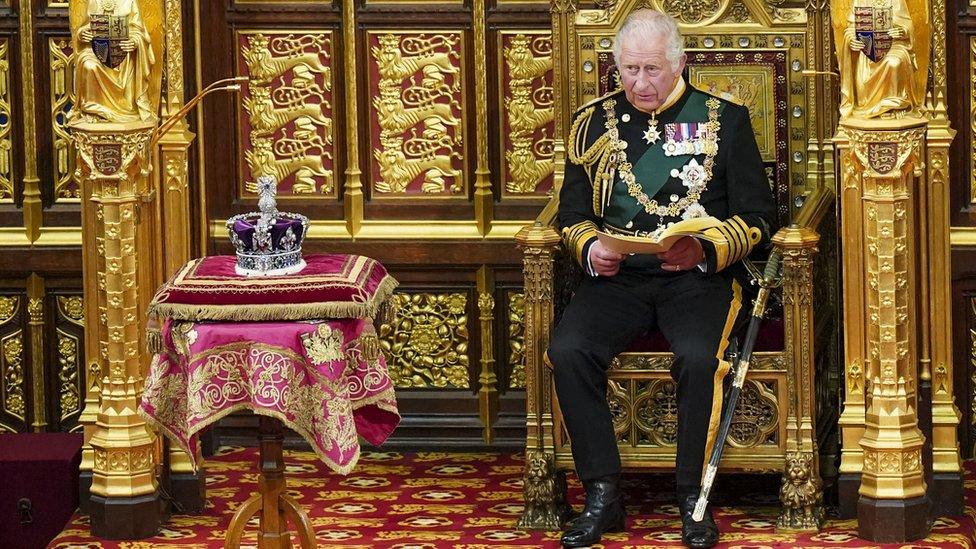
(733, 240)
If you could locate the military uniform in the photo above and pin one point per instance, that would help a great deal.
(632, 172)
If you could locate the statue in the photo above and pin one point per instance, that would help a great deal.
(117, 64)
(882, 54)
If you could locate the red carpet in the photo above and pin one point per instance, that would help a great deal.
(469, 501)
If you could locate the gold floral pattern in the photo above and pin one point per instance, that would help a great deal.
(323, 345)
(426, 342)
(268, 372)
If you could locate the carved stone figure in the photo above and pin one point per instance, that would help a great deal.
(116, 72)
(878, 62)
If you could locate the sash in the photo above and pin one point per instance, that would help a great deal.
(653, 169)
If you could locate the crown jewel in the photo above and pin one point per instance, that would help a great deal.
(268, 242)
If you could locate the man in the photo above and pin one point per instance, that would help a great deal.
(643, 157)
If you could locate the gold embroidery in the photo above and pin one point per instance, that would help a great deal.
(323, 345)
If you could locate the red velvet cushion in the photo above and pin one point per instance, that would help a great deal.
(330, 286)
(769, 338)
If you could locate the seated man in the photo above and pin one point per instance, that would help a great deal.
(655, 153)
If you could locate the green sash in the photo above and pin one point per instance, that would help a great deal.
(653, 169)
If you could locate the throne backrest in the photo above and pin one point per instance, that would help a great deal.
(744, 51)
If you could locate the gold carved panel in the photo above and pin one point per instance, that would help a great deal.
(287, 113)
(527, 109)
(749, 85)
(13, 400)
(516, 340)
(645, 412)
(426, 340)
(69, 378)
(6, 158)
(417, 130)
(61, 74)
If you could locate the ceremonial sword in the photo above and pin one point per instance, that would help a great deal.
(769, 280)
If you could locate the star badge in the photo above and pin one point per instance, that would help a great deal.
(652, 134)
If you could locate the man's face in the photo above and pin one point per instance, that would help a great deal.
(646, 73)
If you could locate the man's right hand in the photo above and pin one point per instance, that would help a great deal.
(605, 262)
(87, 35)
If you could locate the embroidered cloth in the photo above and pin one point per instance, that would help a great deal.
(330, 286)
(325, 379)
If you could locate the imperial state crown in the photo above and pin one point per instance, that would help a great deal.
(268, 242)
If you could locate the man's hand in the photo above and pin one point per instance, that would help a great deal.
(857, 45)
(87, 35)
(686, 253)
(127, 45)
(896, 32)
(605, 262)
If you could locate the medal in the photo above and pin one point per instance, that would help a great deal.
(652, 134)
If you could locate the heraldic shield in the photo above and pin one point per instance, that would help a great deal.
(108, 33)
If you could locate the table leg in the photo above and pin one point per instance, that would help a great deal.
(271, 500)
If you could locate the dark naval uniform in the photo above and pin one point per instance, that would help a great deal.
(630, 172)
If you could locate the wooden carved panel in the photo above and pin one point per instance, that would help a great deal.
(287, 114)
(417, 114)
(516, 340)
(13, 363)
(61, 74)
(68, 381)
(527, 113)
(6, 145)
(426, 340)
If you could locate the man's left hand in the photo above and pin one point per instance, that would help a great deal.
(685, 254)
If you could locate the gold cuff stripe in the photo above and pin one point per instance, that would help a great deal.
(735, 241)
(720, 373)
(576, 236)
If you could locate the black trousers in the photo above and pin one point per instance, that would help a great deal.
(694, 311)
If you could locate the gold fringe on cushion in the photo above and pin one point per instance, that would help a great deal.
(278, 311)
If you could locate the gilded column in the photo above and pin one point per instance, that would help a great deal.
(353, 186)
(802, 490)
(853, 267)
(112, 163)
(544, 489)
(886, 158)
(484, 200)
(564, 85)
(946, 462)
(32, 185)
(488, 379)
(172, 185)
(35, 310)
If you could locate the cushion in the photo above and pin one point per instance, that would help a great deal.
(330, 286)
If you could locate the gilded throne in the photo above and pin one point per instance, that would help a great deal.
(754, 54)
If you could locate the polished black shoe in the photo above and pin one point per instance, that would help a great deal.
(604, 512)
(697, 535)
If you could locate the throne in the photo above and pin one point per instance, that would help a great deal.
(752, 54)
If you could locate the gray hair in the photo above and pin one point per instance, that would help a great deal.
(644, 24)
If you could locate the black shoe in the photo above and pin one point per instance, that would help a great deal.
(604, 512)
(697, 535)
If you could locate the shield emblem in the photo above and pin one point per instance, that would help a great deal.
(107, 157)
(108, 33)
(883, 156)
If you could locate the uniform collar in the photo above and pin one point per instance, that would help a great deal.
(676, 93)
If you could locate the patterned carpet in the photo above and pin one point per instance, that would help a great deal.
(470, 501)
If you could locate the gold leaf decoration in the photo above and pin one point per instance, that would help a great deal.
(516, 340)
(426, 342)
